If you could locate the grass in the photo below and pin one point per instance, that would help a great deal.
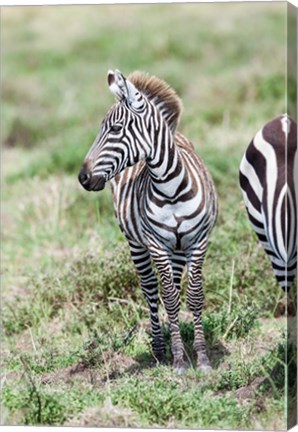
(76, 339)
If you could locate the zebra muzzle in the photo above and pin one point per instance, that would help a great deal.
(98, 183)
(91, 183)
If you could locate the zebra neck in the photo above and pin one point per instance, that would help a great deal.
(165, 166)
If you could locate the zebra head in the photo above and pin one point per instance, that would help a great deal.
(122, 140)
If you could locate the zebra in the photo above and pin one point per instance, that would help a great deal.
(267, 180)
(164, 200)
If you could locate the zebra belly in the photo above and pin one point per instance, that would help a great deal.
(169, 232)
(174, 229)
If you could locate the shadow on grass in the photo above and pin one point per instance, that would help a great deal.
(101, 365)
(146, 360)
(215, 349)
(122, 366)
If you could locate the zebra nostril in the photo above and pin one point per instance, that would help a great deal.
(83, 177)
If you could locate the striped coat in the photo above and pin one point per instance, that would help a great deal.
(267, 174)
(148, 214)
(164, 198)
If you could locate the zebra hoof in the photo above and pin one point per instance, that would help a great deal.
(203, 364)
(181, 370)
(205, 368)
(180, 367)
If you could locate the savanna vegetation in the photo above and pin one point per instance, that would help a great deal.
(76, 342)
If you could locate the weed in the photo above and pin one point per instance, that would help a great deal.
(39, 405)
(235, 324)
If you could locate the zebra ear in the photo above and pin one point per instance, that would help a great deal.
(124, 89)
(115, 88)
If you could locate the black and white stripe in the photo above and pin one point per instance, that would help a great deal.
(164, 198)
(267, 181)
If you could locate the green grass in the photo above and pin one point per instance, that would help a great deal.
(76, 338)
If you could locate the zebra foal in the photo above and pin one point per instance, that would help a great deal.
(164, 199)
(267, 174)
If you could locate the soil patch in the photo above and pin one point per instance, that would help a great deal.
(249, 391)
(113, 365)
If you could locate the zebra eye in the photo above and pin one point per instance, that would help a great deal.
(115, 128)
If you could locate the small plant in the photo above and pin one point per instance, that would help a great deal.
(280, 365)
(98, 344)
(239, 374)
(236, 324)
(34, 404)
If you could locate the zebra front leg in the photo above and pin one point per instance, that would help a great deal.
(171, 299)
(149, 285)
(195, 301)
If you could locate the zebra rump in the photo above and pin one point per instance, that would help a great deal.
(267, 180)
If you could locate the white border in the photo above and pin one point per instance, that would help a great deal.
(96, 2)
(88, 429)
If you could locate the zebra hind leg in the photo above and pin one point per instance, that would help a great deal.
(178, 265)
(195, 301)
(171, 300)
(149, 285)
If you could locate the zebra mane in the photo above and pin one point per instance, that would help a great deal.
(160, 94)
